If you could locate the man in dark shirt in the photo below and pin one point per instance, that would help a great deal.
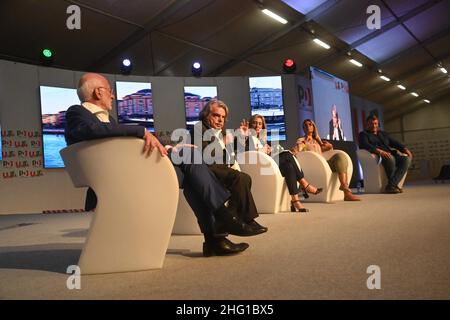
(380, 143)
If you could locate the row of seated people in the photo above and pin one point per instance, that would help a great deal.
(219, 196)
(393, 155)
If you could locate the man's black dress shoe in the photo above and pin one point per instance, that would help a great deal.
(222, 247)
(256, 226)
(391, 190)
(228, 222)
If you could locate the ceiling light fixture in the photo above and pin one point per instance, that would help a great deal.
(126, 66)
(414, 94)
(356, 63)
(443, 70)
(401, 87)
(196, 69)
(426, 100)
(322, 44)
(274, 16)
(385, 78)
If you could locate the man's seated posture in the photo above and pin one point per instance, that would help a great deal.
(205, 194)
(380, 143)
(219, 158)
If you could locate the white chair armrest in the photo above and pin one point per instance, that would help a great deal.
(267, 182)
(328, 154)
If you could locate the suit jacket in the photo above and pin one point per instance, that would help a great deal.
(81, 125)
(226, 156)
(370, 142)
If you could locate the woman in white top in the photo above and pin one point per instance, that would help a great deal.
(311, 141)
(289, 168)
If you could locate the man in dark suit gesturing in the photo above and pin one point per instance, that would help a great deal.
(204, 193)
(215, 146)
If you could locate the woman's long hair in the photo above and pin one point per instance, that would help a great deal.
(263, 134)
(315, 133)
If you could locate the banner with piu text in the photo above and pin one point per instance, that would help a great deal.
(21, 154)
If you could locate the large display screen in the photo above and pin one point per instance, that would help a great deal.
(135, 104)
(195, 98)
(331, 106)
(54, 103)
(266, 99)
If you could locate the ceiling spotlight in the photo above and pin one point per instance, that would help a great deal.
(196, 69)
(356, 63)
(426, 101)
(274, 16)
(289, 66)
(46, 56)
(126, 66)
(385, 78)
(414, 94)
(401, 87)
(443, 70)
(322, 44)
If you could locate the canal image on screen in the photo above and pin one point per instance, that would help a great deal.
(266, 99)
(135, 104)
(54, 103)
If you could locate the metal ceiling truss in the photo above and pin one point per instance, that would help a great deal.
(403, 53)
(408, 108)
(174, 7)
(412, 13)
(404, 76)
(271, 39)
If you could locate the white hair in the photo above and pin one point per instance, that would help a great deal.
(86, 90)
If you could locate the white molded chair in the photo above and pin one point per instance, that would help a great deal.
(375, 179)
(269, 188)
(137, 201)
(318, 173)
(185, 221)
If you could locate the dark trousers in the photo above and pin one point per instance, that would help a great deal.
(395, 168)
(239, 184)
(290, 171)
(203, 191)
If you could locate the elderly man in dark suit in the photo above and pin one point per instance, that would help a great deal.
(380, 143)
(219, 156)
(204, 193)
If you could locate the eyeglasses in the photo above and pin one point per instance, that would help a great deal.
(111, 91)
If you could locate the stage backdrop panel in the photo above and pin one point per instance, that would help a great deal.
(331, 106)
